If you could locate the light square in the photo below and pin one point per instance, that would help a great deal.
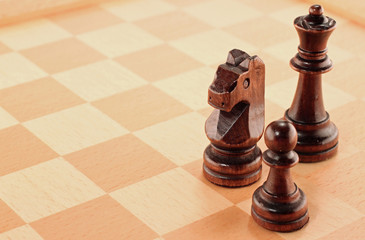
(99, 80)
(46, 188)
(338, 54)
(326, 213)
(269, 6)
(220, 13)
(257, 32)
(119, 39)
(276, 70)
(282, 93)
(31, 34)
(284, 51)
(287, 15)
(190, 88)
(21, 233)
(211, 47)
(132, 10)
(170, 200)
(355, 43)
(74, 128)
(181, 3)
(173, 25)
(181, 139)
(350, 69)
(16, 69)
(7, 120)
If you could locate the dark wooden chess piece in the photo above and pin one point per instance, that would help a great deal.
(236, 125)
(279, 205)
(317, 135)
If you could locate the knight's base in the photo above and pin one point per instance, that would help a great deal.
(316, 142)
(232, 169)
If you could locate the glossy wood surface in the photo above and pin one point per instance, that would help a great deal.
(14, 11)
(236, 125)
(278, 204)
(317, 135)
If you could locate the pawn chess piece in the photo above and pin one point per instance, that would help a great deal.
(279, 205)
(317, 135)
(236, 125)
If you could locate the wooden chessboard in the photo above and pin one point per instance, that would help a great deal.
(102, 114)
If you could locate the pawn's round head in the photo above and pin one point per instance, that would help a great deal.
(281, 136)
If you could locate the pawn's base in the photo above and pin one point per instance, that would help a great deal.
(232, 169)
(280, 214)
(316, 142)
(280, 226)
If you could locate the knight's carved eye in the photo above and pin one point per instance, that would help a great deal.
(246, 83)
(222, 104)
(210, 98)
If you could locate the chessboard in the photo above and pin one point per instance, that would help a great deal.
(102, 113)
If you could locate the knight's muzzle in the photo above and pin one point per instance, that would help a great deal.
(220, 101)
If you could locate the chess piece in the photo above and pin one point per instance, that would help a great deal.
(317, 135)
(279, 205)
(236, 125)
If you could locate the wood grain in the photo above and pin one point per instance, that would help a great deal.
(12, 11)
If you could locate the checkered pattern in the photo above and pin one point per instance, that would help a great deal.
(102, 112)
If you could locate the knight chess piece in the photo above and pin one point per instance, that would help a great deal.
(279, 205)
(317, 135)
(236, 125)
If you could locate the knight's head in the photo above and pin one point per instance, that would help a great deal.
(240, 79)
